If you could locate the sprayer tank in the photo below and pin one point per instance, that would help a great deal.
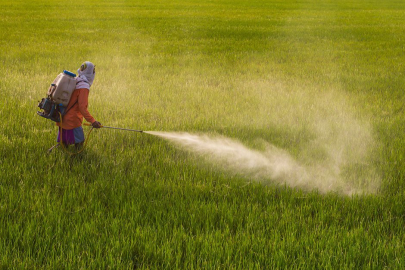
(62, 88)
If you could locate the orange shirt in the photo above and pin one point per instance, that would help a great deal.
(77, 109)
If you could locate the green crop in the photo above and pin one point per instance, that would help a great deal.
(322, 80)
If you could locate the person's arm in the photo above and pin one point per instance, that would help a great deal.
(83, 102)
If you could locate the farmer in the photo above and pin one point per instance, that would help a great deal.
(71, 127)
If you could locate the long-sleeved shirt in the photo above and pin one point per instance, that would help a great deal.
(77, 109)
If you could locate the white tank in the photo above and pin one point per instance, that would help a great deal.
(62, 88)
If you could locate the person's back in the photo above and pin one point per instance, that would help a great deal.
(77, 110)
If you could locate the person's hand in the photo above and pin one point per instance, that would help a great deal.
(96, 124)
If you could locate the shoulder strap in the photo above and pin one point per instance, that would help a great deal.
(71, 107)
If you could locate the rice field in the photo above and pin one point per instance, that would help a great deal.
(297, 106)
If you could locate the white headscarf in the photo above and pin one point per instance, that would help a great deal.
(86, 72)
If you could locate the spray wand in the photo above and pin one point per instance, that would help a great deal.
(87, 124)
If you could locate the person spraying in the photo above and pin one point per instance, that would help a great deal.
(66, 104)
(70, 125)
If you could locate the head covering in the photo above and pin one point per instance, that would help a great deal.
(87, 71)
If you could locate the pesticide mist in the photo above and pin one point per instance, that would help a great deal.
(335, 152)
(273, 164)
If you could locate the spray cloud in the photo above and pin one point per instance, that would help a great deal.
(335, 152)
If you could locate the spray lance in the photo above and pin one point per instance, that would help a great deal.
(141, 131)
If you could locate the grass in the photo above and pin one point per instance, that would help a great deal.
(314, 79)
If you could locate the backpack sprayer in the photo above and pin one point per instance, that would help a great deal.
(59, 93)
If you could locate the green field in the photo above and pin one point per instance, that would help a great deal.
(319, 81)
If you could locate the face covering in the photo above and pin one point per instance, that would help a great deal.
(87, 72)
